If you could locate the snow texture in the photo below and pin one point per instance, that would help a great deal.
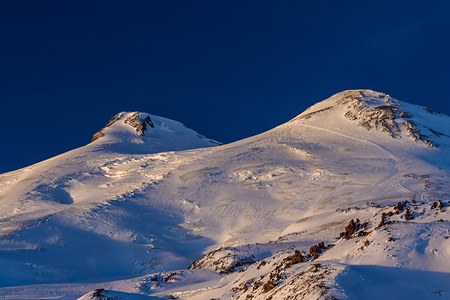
(349, 200)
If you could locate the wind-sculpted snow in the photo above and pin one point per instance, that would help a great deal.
(343, 199)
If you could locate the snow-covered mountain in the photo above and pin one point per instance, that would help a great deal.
(150, 133)
(349, 200)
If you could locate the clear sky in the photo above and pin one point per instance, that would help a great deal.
(228, 69)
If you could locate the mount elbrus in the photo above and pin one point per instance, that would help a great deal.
(349, 200)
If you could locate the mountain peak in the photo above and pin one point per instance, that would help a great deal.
(351, 99)
(136, 120)
(150, 131)
(329, 202)
(373, 111)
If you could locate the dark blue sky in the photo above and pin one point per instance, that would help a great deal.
(228, 69)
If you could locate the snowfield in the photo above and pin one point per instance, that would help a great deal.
(349, 200)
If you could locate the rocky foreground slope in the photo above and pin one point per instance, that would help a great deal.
(349, 200)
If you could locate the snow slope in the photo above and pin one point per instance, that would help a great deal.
(265, 217)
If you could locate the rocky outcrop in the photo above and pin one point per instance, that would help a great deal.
(111, 121)
(375, 111)
(135, 120)
(379, 111)
(139, 124)
(97, 135)
(316, 250)
(354, 228)
(224, 260)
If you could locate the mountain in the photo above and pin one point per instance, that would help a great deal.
(349, 200)
(150, 133)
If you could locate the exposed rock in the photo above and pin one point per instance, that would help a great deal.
(135, 121)
(401, 206)
(224, 260)
(308, 116)
(268, 286)
(171, 277)
(97, 135)
(383, 220)
(111, 121)
(351, 228)
(408, 215)
(98, 293)
(316, 250)
(296, 258)
(380, 112)
(102, 294)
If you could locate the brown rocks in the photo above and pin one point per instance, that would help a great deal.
(132, 119)
(437, 204)
(408, 215)
(296, 258)
(97, 135)
(224, 260)
(383, 220)
(316, 250)
(401, 206)
(100, 133)
(135, 121)
(381, 112)
(351, 228)
(268, 286)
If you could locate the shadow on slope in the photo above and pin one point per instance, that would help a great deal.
(153, 146)
(118, 295)
(55, 193)
(116, 240)
(375, 282)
